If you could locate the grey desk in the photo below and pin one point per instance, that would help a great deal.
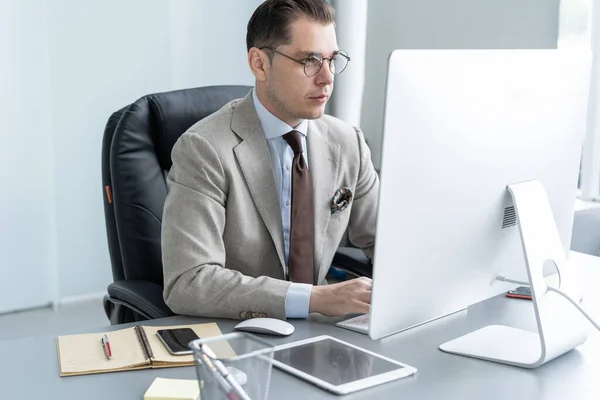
(29, 367)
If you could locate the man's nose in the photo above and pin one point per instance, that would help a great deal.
(325, 76)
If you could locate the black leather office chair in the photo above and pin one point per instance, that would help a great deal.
(136, 157)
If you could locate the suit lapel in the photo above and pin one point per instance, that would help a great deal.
(324, 164)
(255, 161)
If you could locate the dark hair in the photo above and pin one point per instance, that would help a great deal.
(269, 26)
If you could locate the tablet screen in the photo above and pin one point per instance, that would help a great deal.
(334, 362)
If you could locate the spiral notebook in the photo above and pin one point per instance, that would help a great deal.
(132, 348)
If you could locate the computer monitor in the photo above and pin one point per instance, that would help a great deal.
(459, 127)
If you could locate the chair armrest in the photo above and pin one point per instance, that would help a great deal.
(353, 260)
(143, 297)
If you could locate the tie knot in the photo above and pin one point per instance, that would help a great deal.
(293, 139)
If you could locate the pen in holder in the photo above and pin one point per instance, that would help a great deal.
(243, 376)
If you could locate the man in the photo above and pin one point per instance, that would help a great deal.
(263, 191)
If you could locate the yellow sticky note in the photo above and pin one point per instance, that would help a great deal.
(173, 389)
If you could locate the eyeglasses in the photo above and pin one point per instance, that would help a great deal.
(314, 62)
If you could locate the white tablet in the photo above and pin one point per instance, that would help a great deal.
(337, 366)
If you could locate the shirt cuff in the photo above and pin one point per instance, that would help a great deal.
(297, 300)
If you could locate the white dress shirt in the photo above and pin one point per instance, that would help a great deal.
(297, 300)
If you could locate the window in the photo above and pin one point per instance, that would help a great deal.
(574, 23)
(575, 31)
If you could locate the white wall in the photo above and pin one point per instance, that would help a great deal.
(351, 29)
(430, 24)
(209, 42)
(71, 64)
(100, 60)
(27, 238)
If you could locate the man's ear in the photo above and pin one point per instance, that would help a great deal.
(259, 64)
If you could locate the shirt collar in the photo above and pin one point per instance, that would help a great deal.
(273, 126)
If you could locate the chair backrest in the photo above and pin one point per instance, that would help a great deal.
(136, 158)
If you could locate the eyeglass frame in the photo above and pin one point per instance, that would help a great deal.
(304, 62)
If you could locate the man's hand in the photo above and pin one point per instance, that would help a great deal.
(353, 296)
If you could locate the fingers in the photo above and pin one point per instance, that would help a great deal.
(362, 282)
(352, 296)
(364, 296)
(361, 307)
(365, 284)
(360, 290)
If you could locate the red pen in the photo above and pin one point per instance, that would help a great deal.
(106, 347)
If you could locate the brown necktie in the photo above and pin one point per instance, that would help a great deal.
(303, 220)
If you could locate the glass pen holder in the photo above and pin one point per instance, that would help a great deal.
(233, 366)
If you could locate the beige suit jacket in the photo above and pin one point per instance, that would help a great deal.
(222, 235)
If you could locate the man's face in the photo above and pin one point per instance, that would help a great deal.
(292, 95)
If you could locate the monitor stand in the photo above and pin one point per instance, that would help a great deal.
(560, 326)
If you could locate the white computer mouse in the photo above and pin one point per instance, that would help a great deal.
(268, 326)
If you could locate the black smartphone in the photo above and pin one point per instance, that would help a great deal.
(176, 340)
(522, 292)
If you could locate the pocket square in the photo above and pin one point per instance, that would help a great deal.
(341, 200)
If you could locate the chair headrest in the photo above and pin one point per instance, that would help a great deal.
(174, 112)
